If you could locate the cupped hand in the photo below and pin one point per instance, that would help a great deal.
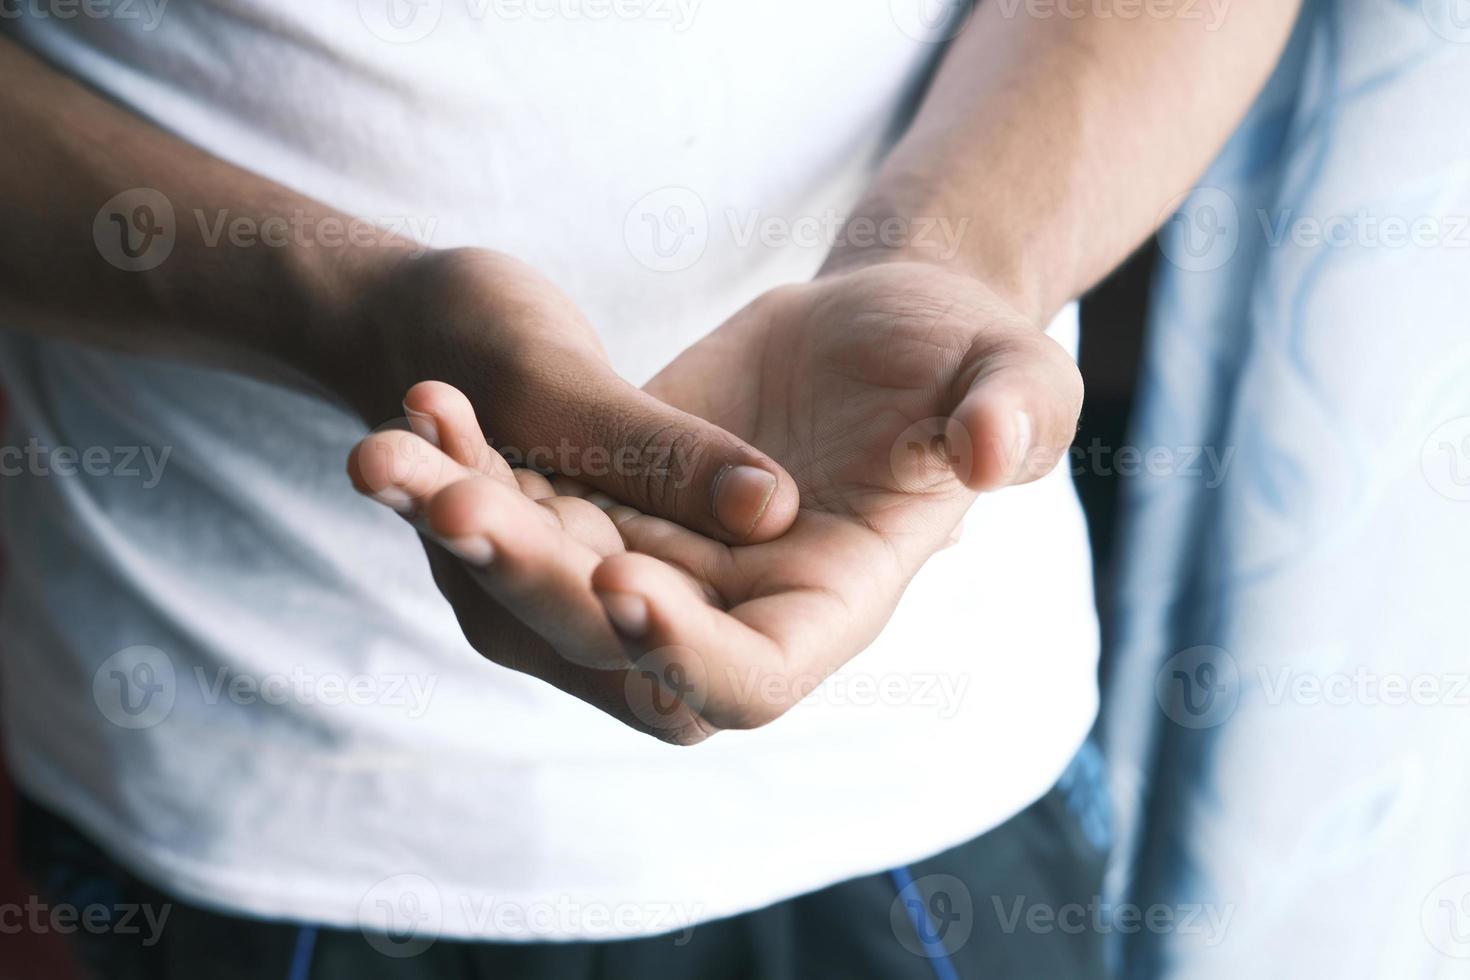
(544, 391)
(892, 394)
(513, 552)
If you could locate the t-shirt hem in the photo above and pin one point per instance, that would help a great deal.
(308, 901)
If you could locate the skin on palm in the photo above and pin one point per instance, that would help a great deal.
(843, 378)
(845, 382)
(520, 611)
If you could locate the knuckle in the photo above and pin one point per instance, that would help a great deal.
(664, 459)
(433, 396)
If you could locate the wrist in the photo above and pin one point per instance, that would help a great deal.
(463, 316)
(353, 301)
(892, 227)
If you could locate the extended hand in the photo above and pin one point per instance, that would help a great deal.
(892, 394)
(541, 384)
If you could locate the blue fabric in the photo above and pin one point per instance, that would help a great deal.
(301, 955)
(1084, 788)
(925, 928)
(1273, 762)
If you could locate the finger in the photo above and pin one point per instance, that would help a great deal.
(586, 522)
(401, 470)
(708, 566)
(1019, 408)
(624, 694)
(533, 484)
(604, 432)
(565, 486)
(740, 669)
(708, 563)
(528, 563)
(440, 414)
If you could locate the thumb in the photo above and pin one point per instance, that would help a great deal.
(1019, 399)
(604, 432)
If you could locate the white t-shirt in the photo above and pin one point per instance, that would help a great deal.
(238, 676)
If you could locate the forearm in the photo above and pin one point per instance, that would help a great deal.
(242, 285)
(1049, 147)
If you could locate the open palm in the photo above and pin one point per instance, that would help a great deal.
(891, 394)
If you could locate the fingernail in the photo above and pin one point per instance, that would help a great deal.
(423, 425)
(602, 500)
(628, 612)
(1021, 442)
(472, 550)
(395, 498)
(740, 497)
